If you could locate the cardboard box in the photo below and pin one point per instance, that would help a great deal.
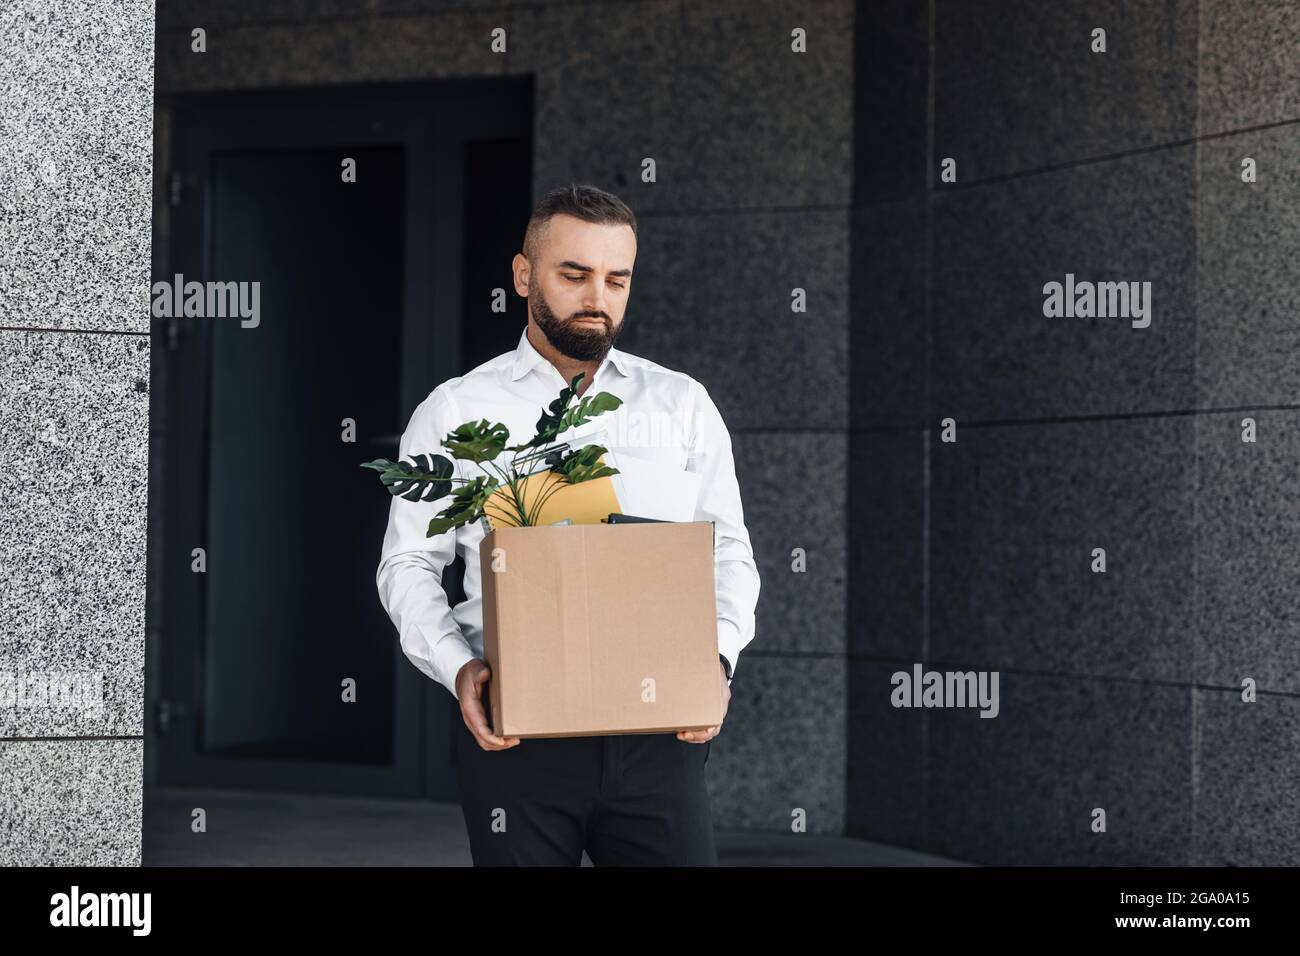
(601, 629)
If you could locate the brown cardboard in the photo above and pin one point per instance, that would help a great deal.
(601, 629)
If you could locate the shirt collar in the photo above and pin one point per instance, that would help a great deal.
(528, 358)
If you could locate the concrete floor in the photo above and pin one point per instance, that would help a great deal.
(257, 828)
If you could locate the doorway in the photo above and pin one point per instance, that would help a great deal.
(372, 290)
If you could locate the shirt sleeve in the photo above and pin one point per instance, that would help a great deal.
(409, 578)
(735, 572)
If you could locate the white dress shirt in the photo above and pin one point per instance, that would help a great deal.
(666, 417)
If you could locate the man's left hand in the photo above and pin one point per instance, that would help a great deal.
(704, 736)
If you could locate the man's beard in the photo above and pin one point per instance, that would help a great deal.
(583, 343)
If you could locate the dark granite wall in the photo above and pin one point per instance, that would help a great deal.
(1118, 690)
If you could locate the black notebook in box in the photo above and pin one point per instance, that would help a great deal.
(616, 518)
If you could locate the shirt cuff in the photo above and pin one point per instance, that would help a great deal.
(451, 660)
(729, 644)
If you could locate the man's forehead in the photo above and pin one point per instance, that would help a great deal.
(572, 238)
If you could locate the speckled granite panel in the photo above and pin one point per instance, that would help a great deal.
(74, 454)
(1248, 285)
(792, 488)
(76, 160)
(1248, 550)
(999, 354)
(779, 760)
(1018, 85)
(759, 124)
(71, 802)
(714, 297)
(885, 787)
(1249, 63)
(886, 543)
(1247, 813)
(1024, 788)
(1019, 513)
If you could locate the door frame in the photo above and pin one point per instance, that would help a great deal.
(432, 122)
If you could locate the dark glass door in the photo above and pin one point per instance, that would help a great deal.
(275, 665)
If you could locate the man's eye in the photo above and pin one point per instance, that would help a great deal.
(575, 278)
(617, 285)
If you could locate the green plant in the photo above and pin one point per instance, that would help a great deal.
(429, 477)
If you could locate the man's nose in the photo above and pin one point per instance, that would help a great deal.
(595, 301)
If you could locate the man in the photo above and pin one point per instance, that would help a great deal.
(624, 798)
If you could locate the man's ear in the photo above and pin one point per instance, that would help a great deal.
(521, 270)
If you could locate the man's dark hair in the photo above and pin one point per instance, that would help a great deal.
(581, 201)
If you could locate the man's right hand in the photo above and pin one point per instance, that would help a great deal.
(471, 684)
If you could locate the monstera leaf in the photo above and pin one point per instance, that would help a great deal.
(427, 479)
(477, 441)
(546, 425)
(589, 408)
(580, 464)
(466, 505)
(561, 417)
(430, 477)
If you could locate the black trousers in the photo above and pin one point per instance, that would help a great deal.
(627, 799)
